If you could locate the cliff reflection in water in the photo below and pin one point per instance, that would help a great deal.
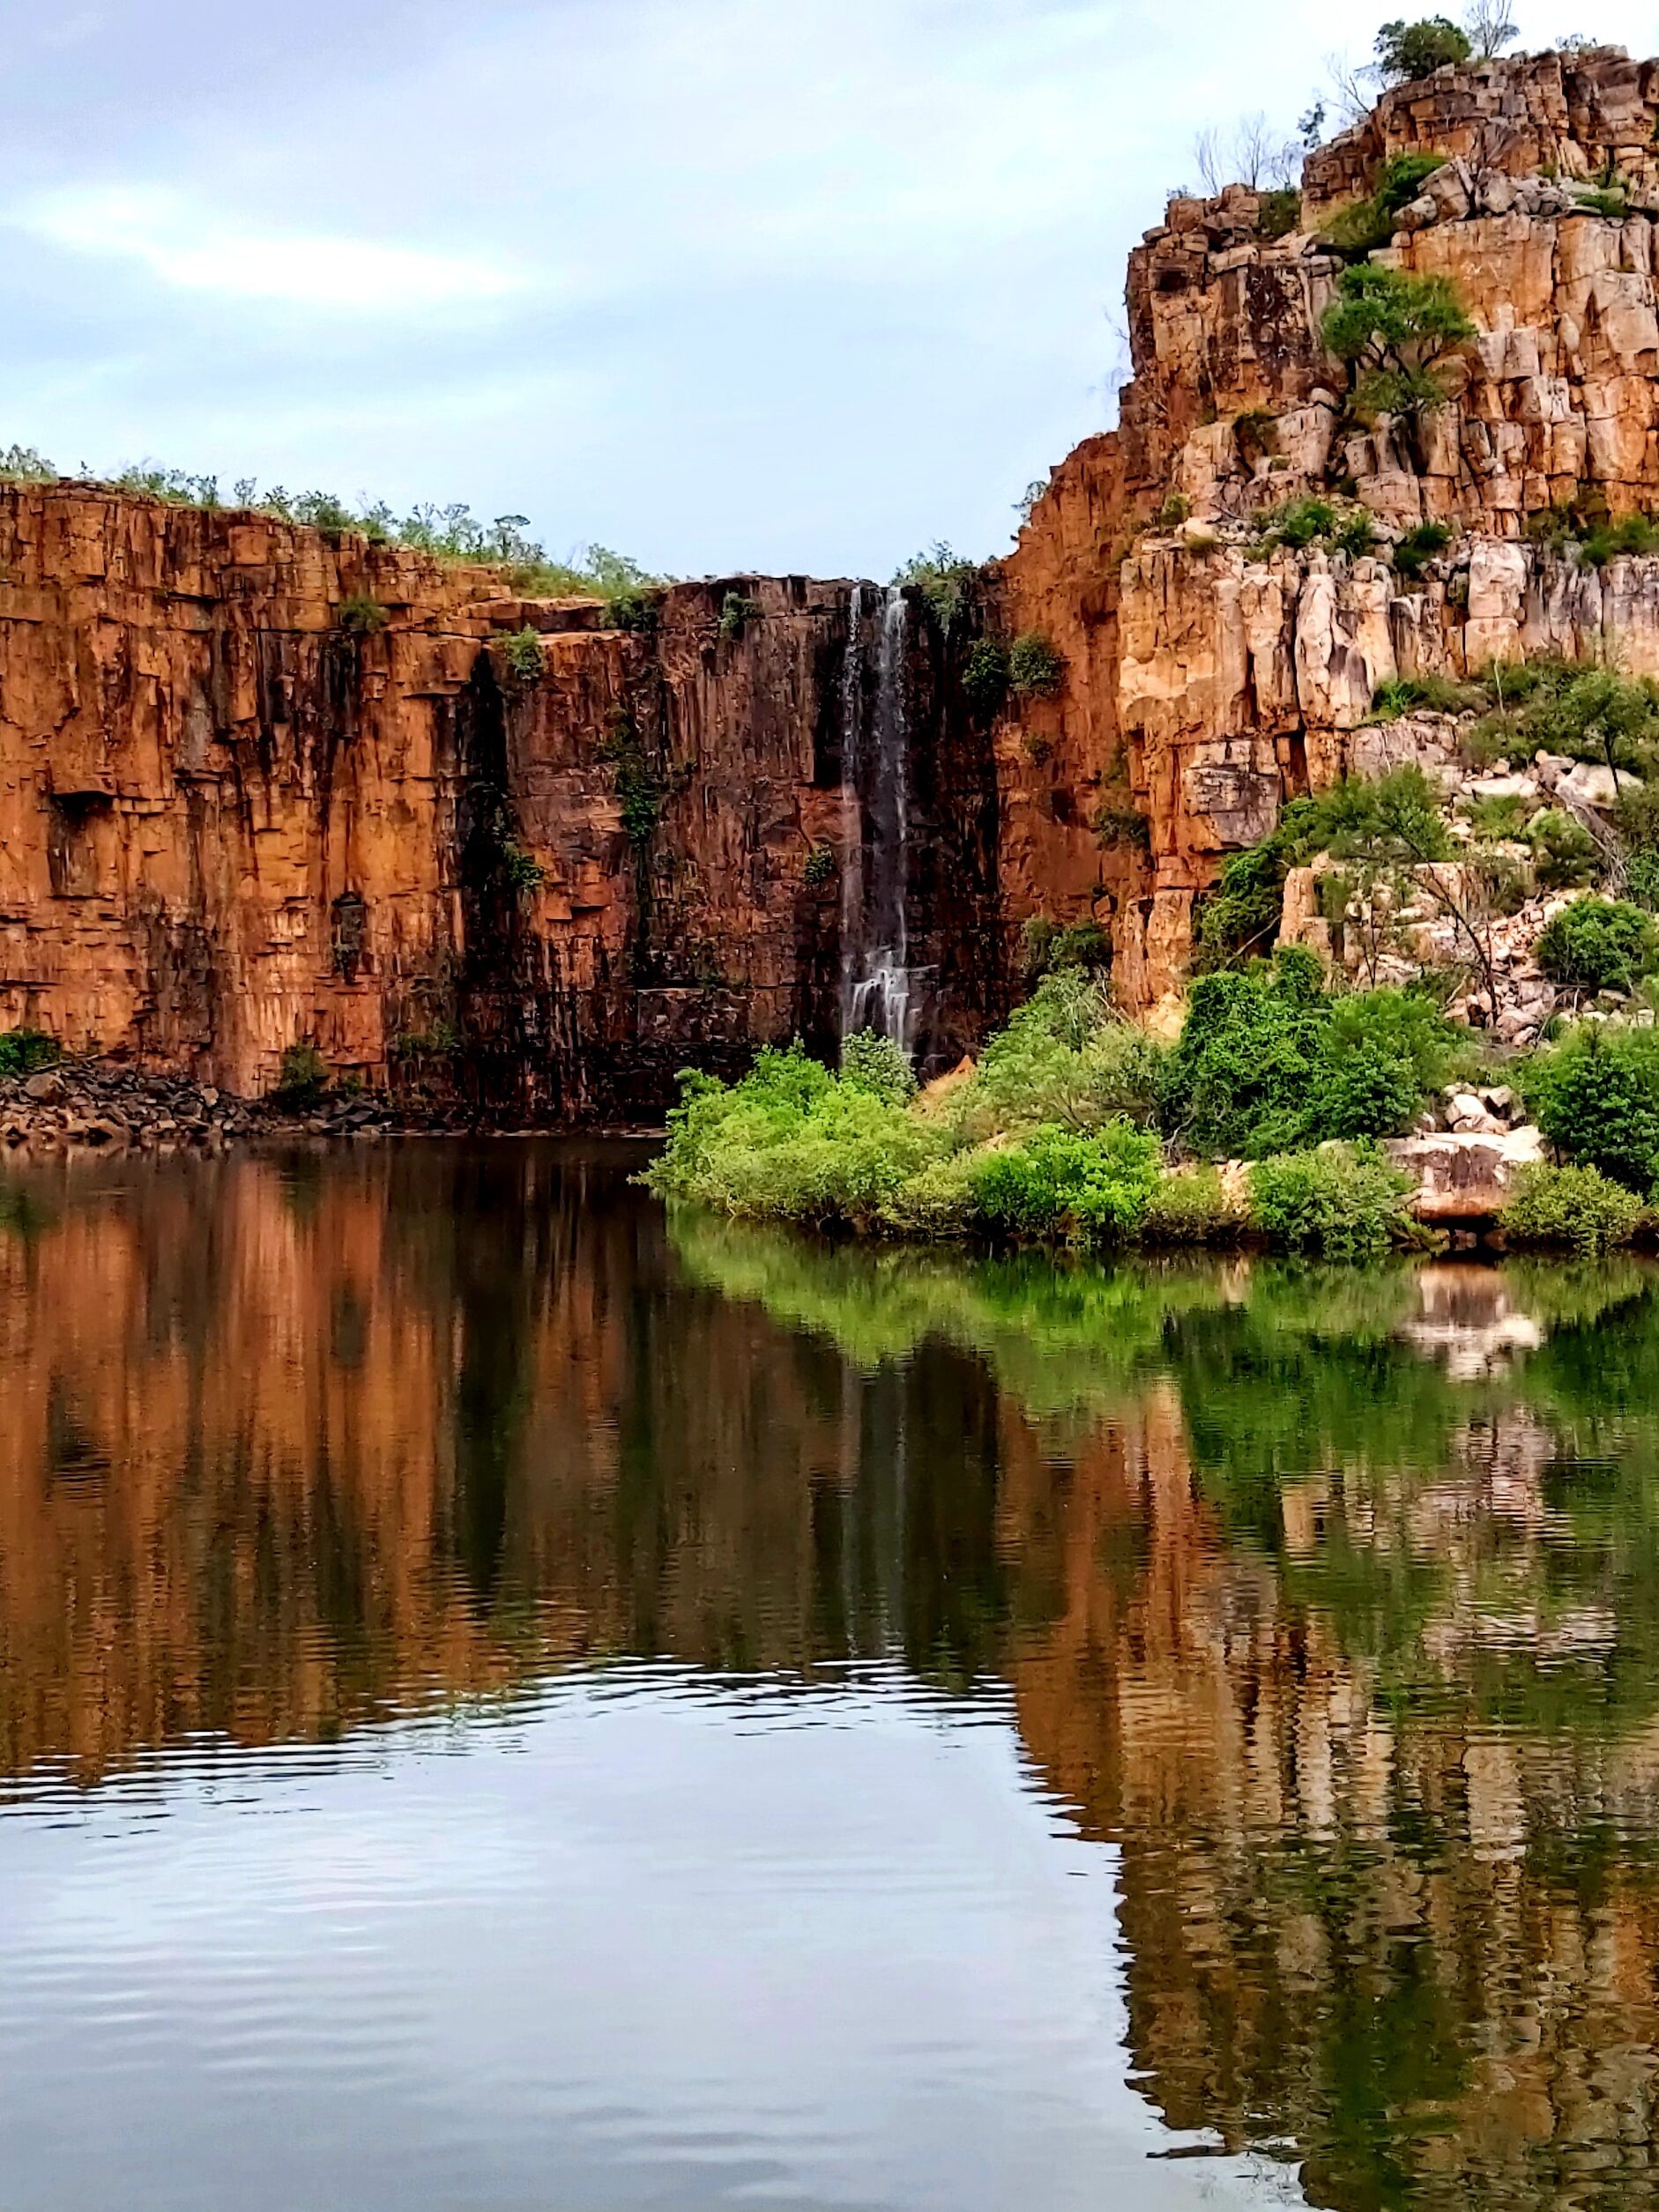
(1331, 1600)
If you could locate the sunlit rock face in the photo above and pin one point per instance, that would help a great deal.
(260, 786)
(1209, 680)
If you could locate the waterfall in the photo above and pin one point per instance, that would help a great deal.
(878, 985)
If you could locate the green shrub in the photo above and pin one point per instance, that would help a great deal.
(1612, 201)
(820, 867)
(1188, 1207)
(1636, 815)
(1174, 511)
(1367, 224)
(638, 786)
(1055, 1183)
(736, 614)
(984, 677)
(1380, 1055)
(27, 1052)
(1299, 522)
(525, 656)
(1065, 1058)
(879, 1065)
(302, 1078)
(1239, 1077)
(1255, 433)
(1634, 535)
(1598, 945)
(1392, 327)
(1115, 825)
(946, 582)
(521, 871)
(1406, 51)
(1280, 212)
(22, 465)
(1419, 545)
(635, 610)
(1596, 1097)
(1498, 820)
(1356, 534)
(1427, 695)
(1641, 881)
(1343, 1201)
(791, 1142)
(937, 1201)
(1045, 945)
(1563, 849)
(1036, 670)
(1576, 1209)
(363, 614)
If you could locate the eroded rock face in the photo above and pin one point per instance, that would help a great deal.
(1245, 674)
(260, 787)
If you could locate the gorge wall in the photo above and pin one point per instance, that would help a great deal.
(262, 786)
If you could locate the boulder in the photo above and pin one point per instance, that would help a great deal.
(1465, 1176)
(47, 1089)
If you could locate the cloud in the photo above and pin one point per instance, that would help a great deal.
(197, 251)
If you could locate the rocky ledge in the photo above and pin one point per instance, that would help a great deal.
(101, 1105)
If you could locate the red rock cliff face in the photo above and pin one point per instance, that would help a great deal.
(258, 786)
(1209, 677)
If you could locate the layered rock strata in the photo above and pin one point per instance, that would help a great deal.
(1214, 674)
(261, 787)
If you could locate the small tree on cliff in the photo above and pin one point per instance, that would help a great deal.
(1393, 329)
(1406, 51)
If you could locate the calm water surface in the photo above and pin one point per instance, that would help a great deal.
(509, 1701)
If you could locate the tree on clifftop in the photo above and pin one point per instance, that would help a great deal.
(1406, 51)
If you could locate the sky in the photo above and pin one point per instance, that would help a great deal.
(723, 284)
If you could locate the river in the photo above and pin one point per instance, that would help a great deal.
(511, 1699)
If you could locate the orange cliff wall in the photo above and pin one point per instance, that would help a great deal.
(1206, 685)
(230, 822)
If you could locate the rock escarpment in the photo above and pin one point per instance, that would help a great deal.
(1214, 673)
(261, 787)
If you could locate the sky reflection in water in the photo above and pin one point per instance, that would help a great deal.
(505, 1700)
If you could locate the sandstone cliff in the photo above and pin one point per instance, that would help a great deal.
(1212, 676)
(261, 785)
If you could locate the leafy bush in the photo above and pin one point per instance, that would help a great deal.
(1406, 51)
(1425, 695)
(1393, 329)
(1343, 1201)
(27, 1052)
(1281, 211)
(1188, 1207)
(1241, 915)
(1418, 547)
(302, 1079)
(1364, 225)
(1596, 1097)
(945, 581)
(1501, 819)
(1563, 849)
(879, 1065)
(1576, 1209)
(638, 786)
(521, 872)
(1055, 1183)
(1036, 670)
(1610, 200)
(1641, 881)
(1239, 1076)
(984, 678)
(1598, 945)
(1380, 1055)
(1045, 945)
(525, 656)
(736, 614)
(1174, 511)
(820, 867)
(937, 1201)
(1065, 1058)
(22, 465)
(363, 614)
(1117, 825)
(792, 1143)
(1356, 534)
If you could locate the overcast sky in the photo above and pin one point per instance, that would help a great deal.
(722, 283)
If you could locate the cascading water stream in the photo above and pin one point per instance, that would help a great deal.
(878, 985)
